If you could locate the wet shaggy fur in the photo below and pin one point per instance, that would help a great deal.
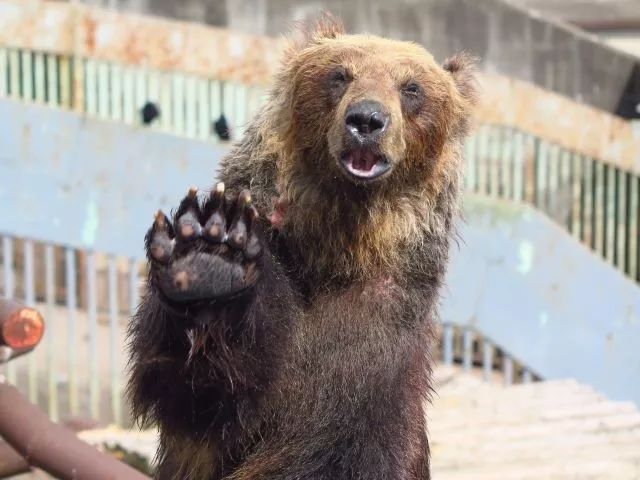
(321, 369)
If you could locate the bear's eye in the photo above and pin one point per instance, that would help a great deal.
(339, 75)
(412, 89)
(412, 97)
(337, 82)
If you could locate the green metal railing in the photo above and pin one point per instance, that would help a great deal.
(596, 202)
(188, 104)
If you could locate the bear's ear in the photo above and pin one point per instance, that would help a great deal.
(463, 68)
(312, 32)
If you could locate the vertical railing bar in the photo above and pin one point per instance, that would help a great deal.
(467, 349)
(141, 94)
(14, 74)
(104, 90)
(4, 72)
(553, 182)
(619, 259)
(52, 81)
(507, 369)
(91, 89)
(51, 331)
(596, 187)
(128, 96)
(114, 342)
(630, 224)
(506, 177)
(215, 102)
(191, 107)
(495, 174)
(178, 104)
(487, 360)
(115, 92)
(447, 344)
(39, 76)
(527, 377)
(612, 214)
(518, 166)
(470, 170)
(636, 237)
(71, 300)
(72, 83)
(240, 103)
(166, 101)
(204, 121)
(134, 286)
(27, 75)
(30, 300)
(92, 318)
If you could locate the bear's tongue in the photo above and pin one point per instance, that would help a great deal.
(363, 160)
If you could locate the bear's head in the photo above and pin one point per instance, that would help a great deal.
(370, 110)
(369, 137)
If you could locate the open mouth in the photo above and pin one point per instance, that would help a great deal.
(363, 164)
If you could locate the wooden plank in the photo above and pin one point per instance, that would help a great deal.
(166, 99)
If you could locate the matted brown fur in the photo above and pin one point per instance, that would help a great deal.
(322, 370)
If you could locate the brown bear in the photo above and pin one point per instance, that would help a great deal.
(286, 329)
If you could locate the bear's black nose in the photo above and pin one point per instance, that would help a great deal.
(366, 119)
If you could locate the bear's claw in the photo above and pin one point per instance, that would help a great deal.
(208, 251)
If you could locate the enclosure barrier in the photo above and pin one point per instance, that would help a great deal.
(84, 293)
(76, 373)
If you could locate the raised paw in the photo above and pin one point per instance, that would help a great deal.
(210, 249)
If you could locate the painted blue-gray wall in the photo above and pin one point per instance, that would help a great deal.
(516, 277)
(524, 282)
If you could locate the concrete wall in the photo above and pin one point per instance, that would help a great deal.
(509, 40)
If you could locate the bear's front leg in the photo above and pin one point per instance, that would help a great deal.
(207, 338)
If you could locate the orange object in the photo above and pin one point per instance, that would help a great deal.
(23, 329)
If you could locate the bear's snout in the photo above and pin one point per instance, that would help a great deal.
(366, 121)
